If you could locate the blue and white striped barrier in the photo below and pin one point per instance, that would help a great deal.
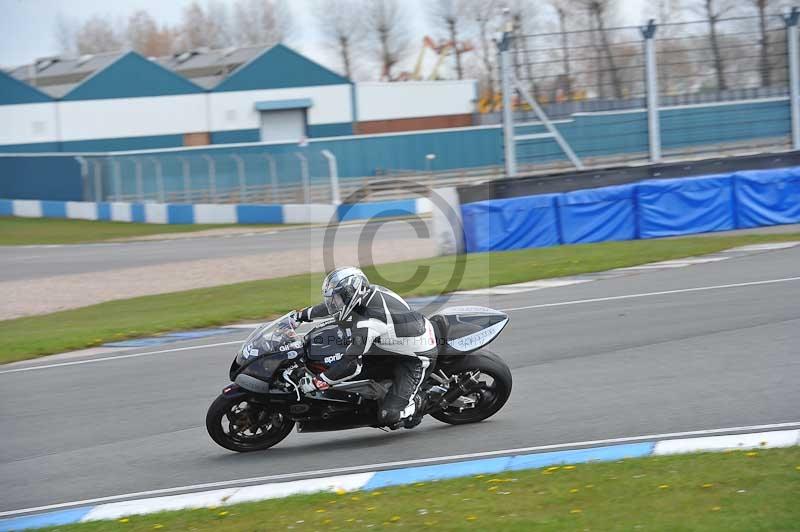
(629, 448)
(178, 213)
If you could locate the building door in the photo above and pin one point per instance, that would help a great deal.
(283, 125)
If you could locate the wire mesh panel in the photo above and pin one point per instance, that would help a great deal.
(724, 86)
(681, 90)
(590, 82)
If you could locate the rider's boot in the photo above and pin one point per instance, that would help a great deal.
(420, 406)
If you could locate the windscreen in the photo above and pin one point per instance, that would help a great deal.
(269, 338)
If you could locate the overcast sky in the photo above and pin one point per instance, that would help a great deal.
(27, 26)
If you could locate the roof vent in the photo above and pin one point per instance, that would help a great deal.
(45, 62)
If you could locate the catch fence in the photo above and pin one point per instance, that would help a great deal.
(601, 95)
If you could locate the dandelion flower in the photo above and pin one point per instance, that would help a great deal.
(663, 486)
(708, 485)
(576, 511)
(327, 521)
(492, 488)
(419, 484)
(222, 514)
(751, 453)
(340, 491)
(471, 518)
(124, 520)
(589, 486)
(574, 490)
(370, 508)
(321, 511)
(394, 518)
(376, 493)
(354, 498)
(569, 467)
(716, 509)
(158, 525)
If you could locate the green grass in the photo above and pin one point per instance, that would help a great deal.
(27, 231)
(89, 326)
(737, 491)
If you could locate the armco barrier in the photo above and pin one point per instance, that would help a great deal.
(166, 213)
(649, 209)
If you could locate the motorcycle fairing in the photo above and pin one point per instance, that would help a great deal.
(468, 328)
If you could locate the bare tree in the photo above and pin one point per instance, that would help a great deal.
(485, 18)
(143, 35)
(340, 24)
(260, 22)
(65, 30)
(97, 35)
(388, 28)
(205, 27)
(713, 11)
(452, 15)
(562, 9)
(600, 13)
(763, 7)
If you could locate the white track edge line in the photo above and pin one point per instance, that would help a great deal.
(648, 294)
(513, 309)
(118, 357)
(387, 465)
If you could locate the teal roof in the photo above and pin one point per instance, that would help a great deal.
(14, 91)
(131, 76)
(279, 67)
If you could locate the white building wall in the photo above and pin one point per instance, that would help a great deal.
(414, 99)
(331, 104)
(28, 123)
(132, 117)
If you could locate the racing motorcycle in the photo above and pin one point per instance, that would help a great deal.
(274, 365)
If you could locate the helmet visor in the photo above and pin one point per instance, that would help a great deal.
(333, 301)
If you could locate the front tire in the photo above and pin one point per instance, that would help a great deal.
(242, 426)
(494, 390)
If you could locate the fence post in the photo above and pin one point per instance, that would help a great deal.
(187, 179)
(212, 177)
(510, 152)
(333, 171)
(242, 178)
(651, 80)
(273, 177)
(159, 179)
(98, 181)
(84, 176)
(305, 177)
(794, 75)
(137, 165)
(117, 179)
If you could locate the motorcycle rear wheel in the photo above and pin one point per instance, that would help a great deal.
(495, 389)
(241, 426)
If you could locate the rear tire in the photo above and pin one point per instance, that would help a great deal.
(490, 399)
(266, 428)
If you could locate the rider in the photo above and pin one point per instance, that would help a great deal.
(379, 322)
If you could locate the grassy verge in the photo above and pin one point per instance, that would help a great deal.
(725, 491)
(27, 231)
(84, 327)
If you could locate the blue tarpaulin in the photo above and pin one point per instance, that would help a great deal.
(767, 197)
(684, 206)
(514, 223)
(598, 214)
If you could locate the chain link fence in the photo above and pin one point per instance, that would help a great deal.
(605, 95)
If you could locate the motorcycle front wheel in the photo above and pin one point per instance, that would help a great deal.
(242, 426)
(490, 390)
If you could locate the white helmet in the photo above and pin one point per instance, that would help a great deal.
(344, 289)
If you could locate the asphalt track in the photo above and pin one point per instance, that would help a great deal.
(587, 365)
(35, 262)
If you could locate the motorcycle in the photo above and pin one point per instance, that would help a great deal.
(266, 399)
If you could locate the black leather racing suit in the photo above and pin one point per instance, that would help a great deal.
(385, 326)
